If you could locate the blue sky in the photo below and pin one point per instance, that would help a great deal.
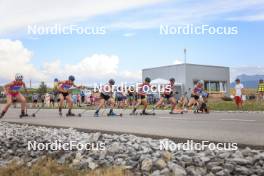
(132, 40)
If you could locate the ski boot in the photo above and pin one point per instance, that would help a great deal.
(23, 114)
(70, 114)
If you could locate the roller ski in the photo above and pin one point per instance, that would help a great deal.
(133, 113)
(96, 114)
(60, 113)
(147, 113)
(70, 114)
(2, 115)
(114, 114)
(81, 113)
(171, 112)
(34, 114)
(23, 115)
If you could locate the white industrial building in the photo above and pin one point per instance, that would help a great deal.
(216, 78)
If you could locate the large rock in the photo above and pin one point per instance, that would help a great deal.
(240, 161)
(167, 156)
(241, 170)
(178, 170)
(95, 137)
(146, 165)
(160, 164)
(114, 147)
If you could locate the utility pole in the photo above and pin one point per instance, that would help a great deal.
(185, 61)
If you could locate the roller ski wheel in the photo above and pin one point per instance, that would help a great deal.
(96, 115)
(176, 112)
(70, 115)
(33, 115)
(80, 115)
(133, 113)
(142, 114)
(114, 114)
(23, 115)
(60, 114)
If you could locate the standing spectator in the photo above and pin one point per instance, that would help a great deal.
(79, 100)
(239, 88)
(82, 96)
(131, 96)
(35, 98)
(52, 99)
(92, 98)
(260, 91)
(42, 100)
(74, 99)
(47, 100)
(120, 98)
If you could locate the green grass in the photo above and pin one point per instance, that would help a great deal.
(230, 106)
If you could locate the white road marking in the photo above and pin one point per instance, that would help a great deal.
(241, 120)
(165, 117)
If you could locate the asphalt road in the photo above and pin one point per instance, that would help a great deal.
(241, 128)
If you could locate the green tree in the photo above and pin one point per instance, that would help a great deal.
(42, 88)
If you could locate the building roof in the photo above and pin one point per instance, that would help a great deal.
(176, 65)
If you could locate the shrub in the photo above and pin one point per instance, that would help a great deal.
(227, 98)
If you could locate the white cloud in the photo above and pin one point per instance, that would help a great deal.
(190, 12)
(18, 14)
(14, 57)
(178, 61)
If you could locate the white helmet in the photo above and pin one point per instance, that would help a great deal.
(19, 77)
(201, 82)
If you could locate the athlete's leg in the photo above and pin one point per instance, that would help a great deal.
(159, 103)
(23, 102)
(173, 103)
(145, 105)
(111, 102)
(139, 101)
(100, 105)
(9, 100)
(70, 103)
(191, 102)
(61, 103)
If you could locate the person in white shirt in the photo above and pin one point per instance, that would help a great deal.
(239, 90)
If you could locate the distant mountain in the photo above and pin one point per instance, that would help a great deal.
(249, 81)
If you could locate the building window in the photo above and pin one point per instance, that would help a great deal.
(214, 86)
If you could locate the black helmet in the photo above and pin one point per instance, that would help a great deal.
(71, 78)
(172, 80)
(56, 80)
(147, 79)
(111, 81)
